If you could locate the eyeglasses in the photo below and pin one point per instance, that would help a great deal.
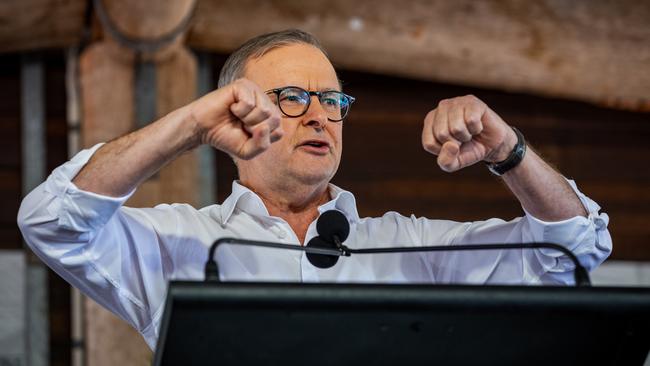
(294, 102)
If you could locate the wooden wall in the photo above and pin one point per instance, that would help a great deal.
(604, 150)
(10, 177)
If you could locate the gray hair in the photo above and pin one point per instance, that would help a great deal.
(256, 47)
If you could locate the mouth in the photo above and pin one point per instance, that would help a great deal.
(319, 147)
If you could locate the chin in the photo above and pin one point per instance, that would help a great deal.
(314, 177)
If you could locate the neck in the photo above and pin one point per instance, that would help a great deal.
(297, 205)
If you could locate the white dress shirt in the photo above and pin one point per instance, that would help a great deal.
(123, 257)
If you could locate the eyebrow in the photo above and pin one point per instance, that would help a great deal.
(297, 86)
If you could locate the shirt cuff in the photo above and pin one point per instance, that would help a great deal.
(76, 209)
(582, 235)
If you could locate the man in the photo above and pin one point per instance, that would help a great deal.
(278, 112)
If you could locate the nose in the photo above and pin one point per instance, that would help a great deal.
(316, 116)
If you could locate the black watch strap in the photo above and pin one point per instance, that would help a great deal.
(515, 157)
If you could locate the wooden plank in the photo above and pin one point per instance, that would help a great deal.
(596, 51)
(37, 24)
(147, 19)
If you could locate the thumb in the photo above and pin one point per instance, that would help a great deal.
(448, 157)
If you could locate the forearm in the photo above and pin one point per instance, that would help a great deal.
(542, 191)
(121, 165)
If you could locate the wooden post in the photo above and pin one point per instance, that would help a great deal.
(134, 32)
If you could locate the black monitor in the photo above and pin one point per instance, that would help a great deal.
(363, 325)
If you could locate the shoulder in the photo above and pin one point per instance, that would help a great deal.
(390, 225)
(397, 219)
(397, 227)
(170, 213)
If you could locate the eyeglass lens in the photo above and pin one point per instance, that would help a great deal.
(295, 101)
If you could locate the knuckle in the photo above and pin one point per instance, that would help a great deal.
(472, 121)
(442, 135)
(247, 104)
(474, 124)
(456, 130)
(475, 102)
(471, 98)
(444, 103)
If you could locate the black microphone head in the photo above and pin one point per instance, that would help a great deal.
(321, 260)
(331, 223)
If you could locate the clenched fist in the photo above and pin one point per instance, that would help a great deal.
(462, 131)
(239, 119)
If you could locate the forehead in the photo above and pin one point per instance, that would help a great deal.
(296, 64)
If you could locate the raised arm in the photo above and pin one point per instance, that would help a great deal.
(122, 257)
(463, 131)
(238, 119)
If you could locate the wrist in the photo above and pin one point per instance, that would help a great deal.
(504, 150)
(514, 158)
(194, 131)
(185, 131)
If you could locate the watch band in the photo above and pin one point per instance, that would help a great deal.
(515, 157)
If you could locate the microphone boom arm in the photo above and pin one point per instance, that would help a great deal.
(212, 270)
(580, 274)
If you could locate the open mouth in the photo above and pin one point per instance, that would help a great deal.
(316, 143)
(318, 146)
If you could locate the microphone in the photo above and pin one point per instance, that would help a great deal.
(323, 251)
(333, 228)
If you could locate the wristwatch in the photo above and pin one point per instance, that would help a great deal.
(515, 157)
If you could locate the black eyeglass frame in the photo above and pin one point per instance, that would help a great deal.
(318, 94)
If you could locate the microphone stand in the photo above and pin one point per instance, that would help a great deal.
(212, 271)
(212, 268)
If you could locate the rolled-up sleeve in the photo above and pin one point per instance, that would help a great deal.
(90, 241)
(587, 237)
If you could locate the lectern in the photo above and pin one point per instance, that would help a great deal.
(362, 325)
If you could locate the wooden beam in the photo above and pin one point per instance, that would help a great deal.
(596, 51)
(36, 24)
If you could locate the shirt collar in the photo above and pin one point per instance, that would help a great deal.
(249, 202)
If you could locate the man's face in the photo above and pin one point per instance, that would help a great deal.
(291, 159)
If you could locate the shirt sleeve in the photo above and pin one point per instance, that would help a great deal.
(587, 237)
(115, 255)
